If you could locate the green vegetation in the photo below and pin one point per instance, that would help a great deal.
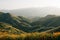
(8, 28)
(16, 21)
(24, 24)
(21, 28)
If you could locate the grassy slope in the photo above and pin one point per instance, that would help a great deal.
(4, 27)
(30, 36)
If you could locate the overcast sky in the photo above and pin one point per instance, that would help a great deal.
(16, 4)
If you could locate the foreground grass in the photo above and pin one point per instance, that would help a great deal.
(30, 36)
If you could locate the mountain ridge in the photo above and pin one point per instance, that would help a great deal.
(33, 12)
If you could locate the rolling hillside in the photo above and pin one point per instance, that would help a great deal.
(46, 23)
(25, 25)
(4, 27)
(16, 21)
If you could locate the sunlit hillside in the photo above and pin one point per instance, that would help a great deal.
(30, 36)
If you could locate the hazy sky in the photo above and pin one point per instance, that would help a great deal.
(16, 4)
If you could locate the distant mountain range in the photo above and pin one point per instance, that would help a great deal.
(33, 12)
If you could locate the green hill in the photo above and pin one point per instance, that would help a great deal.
(4, 27)
(16, 21)
(46, 23)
